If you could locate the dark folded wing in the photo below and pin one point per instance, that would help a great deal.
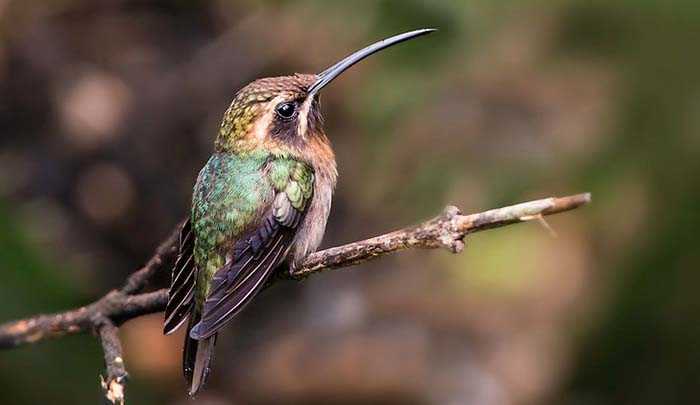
(253, 259)
(181, 292)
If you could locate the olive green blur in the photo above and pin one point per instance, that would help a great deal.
(109, 109)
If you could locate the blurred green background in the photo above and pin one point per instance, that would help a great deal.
(108, 109)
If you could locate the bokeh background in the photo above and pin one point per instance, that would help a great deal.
(108, 109)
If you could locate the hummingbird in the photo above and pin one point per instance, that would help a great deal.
(260, 204)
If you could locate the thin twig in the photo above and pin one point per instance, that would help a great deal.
(118, 306)
(113, 383)
(115, 306)
(138, 280)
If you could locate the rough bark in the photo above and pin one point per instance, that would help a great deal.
(104, 316)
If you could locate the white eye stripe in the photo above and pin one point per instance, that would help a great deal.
(302, 124)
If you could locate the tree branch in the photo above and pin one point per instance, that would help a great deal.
(446, 230)
(113, 385)
(116, 307)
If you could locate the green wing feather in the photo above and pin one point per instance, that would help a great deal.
(245, 217)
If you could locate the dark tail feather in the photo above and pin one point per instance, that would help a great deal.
(196, 359)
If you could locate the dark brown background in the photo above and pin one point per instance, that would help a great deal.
(108, 109)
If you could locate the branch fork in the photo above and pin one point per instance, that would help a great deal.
(104, 316)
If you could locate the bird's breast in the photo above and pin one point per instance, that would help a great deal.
(313, 226)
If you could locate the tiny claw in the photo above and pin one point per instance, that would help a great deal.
(291, 270)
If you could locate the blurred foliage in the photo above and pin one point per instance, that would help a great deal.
(108, 110)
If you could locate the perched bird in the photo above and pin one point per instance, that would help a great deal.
(260, 203)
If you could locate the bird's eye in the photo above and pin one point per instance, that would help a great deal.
(286, 110)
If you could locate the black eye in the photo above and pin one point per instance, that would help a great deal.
(286, 110)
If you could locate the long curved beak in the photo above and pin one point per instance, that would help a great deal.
(334, 71)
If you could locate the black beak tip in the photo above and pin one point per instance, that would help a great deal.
(425, 31)
(332, 72)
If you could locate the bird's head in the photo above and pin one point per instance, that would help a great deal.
(283, 113)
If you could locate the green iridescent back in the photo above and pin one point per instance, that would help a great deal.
(232, 193)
